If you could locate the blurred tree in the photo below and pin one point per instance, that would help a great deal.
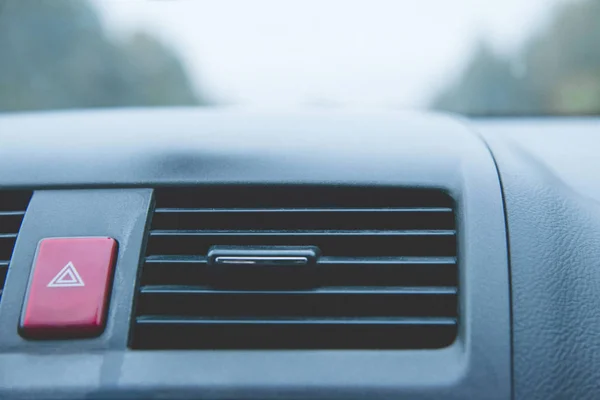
(486, 86)
(555, 72)
(57, 54)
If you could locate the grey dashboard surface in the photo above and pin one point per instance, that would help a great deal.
(549, 171)
(566, 147)
(186, 146)
(111, 160)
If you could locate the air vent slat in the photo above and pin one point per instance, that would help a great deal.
(322, 302)
(334, 290)
(205, 211)
(158, 333)
(13, 205)
(303, 233)
(284, 196)
(12, 214)
(298, 321)
(175, 260)
(385, 273)
(322, 260)
(358, 244)
(305, 219)
(336, 271)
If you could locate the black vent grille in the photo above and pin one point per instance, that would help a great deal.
(386, 278)
(13, 205)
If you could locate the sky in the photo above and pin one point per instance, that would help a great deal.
(382, 54)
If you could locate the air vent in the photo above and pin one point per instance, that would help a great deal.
(12, 210)
(385, 276)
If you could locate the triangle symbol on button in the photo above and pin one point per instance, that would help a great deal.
(67, 277)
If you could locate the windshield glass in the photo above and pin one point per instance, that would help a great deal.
(476, 57)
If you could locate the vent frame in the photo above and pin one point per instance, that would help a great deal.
(426, 290)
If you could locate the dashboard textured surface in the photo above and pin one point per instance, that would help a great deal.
(549, 175)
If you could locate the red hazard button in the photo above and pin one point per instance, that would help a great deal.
(69, 288)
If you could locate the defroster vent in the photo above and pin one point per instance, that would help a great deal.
(381, 270)
(13, 205)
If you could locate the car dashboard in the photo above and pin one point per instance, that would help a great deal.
(256, 255)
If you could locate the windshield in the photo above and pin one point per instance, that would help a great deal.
(476, 57)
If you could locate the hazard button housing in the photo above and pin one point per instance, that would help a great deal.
(69, 288)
